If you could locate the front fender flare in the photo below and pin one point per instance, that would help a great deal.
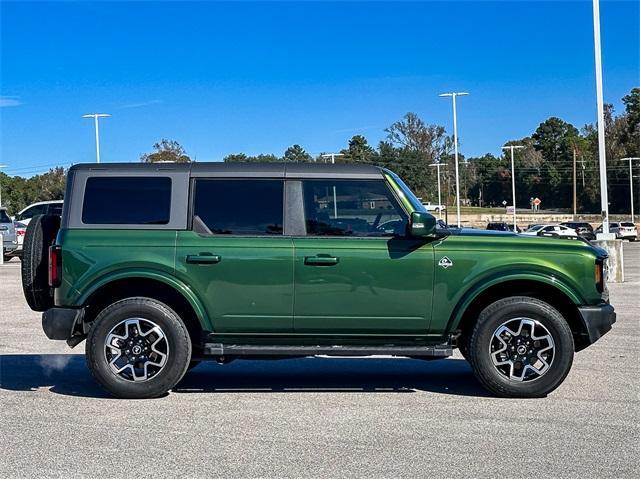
(484, 284)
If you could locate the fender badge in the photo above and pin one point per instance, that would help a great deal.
(445, 262)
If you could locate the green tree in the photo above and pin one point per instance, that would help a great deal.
(555, 140)
(296, 154)
(18, 192)
(166, 151)
(359, 151)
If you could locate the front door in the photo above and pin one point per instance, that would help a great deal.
(236, 257)
(356, 271)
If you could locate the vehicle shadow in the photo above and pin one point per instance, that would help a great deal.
(67, 374)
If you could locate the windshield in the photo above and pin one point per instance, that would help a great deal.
(407, 197)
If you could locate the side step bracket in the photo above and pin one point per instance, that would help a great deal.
(219, 349)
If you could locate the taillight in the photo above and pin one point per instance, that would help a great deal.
(55, 266)
(20, 232)
(599, 275)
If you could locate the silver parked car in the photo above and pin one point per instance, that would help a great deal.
(8, 233)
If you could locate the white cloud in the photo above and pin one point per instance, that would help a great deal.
(141, 104)
(9, 101)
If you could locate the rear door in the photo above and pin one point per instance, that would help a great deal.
(236, 257)
(356, 273)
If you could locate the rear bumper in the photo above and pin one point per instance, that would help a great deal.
(59, 323)
(597, 320)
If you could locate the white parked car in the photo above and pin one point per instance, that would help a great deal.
(625, 230)
(436, 208)
(550, 230)
(53, 207)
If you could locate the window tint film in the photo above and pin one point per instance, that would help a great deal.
(31, 212)
(127, 200)
(55, 209)
(240, 207)
(352, 208)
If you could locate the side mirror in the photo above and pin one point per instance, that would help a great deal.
(422, 224)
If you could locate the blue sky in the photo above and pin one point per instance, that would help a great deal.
(257, 77)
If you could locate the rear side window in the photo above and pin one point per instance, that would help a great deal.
(31, 212)
(240, 207)
(55, 209)
(127, 200)
(4, 218)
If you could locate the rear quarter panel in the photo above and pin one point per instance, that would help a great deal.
(91, 256)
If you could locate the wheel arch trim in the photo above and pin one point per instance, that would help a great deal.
(483, 285)
(180, 287)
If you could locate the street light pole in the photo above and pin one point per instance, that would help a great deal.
(513, 181)
(437, 164)
(453, 96)
(333, 160)
(604, 195)
(631, 183)
(95, 117)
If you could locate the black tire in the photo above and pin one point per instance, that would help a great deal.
(41, 233)
(178, 349)
(503, 311)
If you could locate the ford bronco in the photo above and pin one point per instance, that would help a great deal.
(161, 266)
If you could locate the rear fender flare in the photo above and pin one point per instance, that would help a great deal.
(167, 279)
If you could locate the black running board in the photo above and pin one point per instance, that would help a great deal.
(219, 349)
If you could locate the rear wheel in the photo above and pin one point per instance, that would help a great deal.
(138, 348)
(521, 347)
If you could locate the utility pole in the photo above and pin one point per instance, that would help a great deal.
(95, 117)
(333, 161)
(438, 165)
(1, 238)
(631, 183)
(453, 96)
(575, 200)
(513, 181)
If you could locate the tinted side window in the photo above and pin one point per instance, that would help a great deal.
(240, 207)
(55, 209)
(4, 217)
(127, 200)
(31, 212)
(352, 208)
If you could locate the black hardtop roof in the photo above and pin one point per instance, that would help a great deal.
(239, 169)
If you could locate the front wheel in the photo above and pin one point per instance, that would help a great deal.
(138, 348)
(521, 347)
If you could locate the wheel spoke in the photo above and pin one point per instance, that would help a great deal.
(522, 349)
(136, 349)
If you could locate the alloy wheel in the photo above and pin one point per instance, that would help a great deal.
(136, 349)
(522, 349)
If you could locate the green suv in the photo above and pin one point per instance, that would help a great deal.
(161, 266)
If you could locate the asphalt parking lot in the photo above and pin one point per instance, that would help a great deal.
(317, 417)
